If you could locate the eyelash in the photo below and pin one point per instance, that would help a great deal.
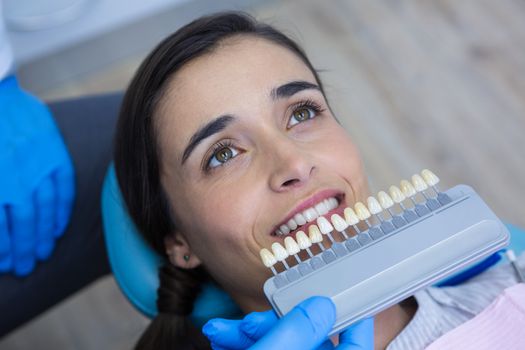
(310, 104)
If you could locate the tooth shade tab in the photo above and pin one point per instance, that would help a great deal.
(291, 246)
(430, 178)
(361, 211)
(302, 240)
(385, 200)
(267, 258)
(350, 216)
(279, 252)
(339, 223)
(419, 184)
(324, 225)
(396, 194)
(373, 205)
(314, 234)
(407, 188)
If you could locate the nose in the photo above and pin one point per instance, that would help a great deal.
(291, 166)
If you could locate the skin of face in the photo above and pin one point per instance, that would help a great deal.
(226, 214)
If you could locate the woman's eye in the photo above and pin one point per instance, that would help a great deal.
(221, 156)
(300, 115)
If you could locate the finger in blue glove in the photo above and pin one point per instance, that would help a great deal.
(44, 201)
(65, 195)
(6, 259)
(306, 326)
(360, 336)
(226, 334)
(23, 237)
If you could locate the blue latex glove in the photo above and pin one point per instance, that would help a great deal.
(305, 327)
(37, 180)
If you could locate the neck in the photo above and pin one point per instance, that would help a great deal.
(390, 322)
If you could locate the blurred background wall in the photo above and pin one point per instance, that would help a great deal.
(437, 84)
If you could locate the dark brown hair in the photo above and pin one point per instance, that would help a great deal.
(137, 164)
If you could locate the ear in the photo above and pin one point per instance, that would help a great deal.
(179, 251)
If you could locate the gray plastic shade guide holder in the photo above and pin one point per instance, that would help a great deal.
(378, 273)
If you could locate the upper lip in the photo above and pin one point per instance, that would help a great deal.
(310, 202)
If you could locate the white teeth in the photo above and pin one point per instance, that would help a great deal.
(407, 188)
(267, 258)
(284, 229)
(321, 208)
(279, 252)
(350, 216)
(339, 223)
(291, 245)
(373, 205)
(361, 211)
(292, 224)
(430, 178)
(419, 183)
(396, 194)
(310, 214)
(302, 240)
(324, 225)
(315, 234)
(299, 219)
(385, 200)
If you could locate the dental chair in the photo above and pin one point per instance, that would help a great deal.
(135, 265)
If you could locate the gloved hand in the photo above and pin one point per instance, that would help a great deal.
(37, 186)
(305, 327)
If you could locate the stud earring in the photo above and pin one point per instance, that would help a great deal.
(186, 257)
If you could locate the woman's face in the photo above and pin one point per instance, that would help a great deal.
(247, 141)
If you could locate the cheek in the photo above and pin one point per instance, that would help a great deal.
(219, 221)
(344, 158)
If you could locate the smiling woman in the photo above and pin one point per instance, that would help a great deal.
(226, 145)
(224, 135)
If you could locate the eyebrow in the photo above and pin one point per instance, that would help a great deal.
(220, 123)
(212, 127)
(292, 88)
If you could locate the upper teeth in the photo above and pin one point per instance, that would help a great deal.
(308, 215)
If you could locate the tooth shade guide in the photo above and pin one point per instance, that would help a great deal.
(409, 191)
(430, 178)
(419, 184)
(372, 217)
(292, 248)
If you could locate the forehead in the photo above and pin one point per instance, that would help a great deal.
(235, 78)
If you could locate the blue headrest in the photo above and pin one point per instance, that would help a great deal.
(135, 264)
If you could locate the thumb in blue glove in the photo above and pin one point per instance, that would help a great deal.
(304, 327)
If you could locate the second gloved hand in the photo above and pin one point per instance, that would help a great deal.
(304, 327)
(37, 180)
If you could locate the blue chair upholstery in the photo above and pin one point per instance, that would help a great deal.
(135, 265)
